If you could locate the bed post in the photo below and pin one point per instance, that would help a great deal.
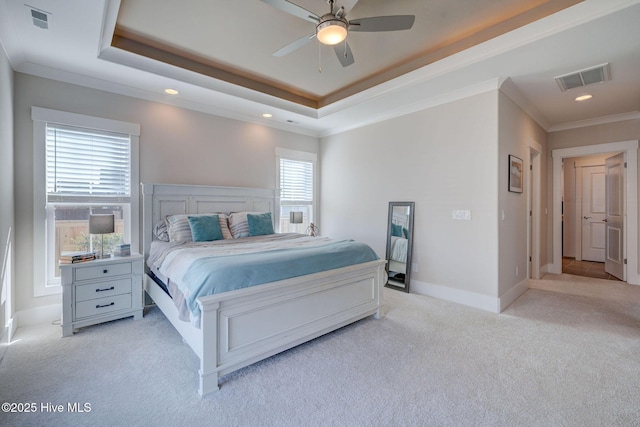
(382, 279)
(209, 357)
(147, 218)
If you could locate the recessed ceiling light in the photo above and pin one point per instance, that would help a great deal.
(583, 97)
(171, 91)
(267, 115)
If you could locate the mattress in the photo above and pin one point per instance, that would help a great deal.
(194, 269)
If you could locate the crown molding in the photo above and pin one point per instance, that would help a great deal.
(633, 115)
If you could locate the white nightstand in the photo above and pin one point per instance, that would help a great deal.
(101, 290)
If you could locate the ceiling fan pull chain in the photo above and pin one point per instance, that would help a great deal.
(345, 48)
(319, 59)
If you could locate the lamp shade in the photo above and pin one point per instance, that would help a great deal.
(295, 217)
(101, 224)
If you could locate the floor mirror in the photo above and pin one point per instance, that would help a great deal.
(399, 244)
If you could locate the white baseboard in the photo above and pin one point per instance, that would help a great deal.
(8, 332)
(471, 299)
(513, 294)
(544, 269)
(38, 315)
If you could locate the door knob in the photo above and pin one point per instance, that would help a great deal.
(586, 217)
(605, 220)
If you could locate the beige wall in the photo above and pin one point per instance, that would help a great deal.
(600, 134)
(449, 157)
(7, 236)
(442, 158)
(176, 146)
(517, 133)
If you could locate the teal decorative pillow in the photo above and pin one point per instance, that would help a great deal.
(260, 224)
(396, 230)
(205, 228)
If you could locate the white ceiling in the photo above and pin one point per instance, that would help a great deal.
(241, 35)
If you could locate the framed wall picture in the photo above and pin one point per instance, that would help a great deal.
(515, 174)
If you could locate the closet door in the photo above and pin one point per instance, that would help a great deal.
(593, 213)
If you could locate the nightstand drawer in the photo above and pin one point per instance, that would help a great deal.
(100, 306)
(103, 289)
(99, 272)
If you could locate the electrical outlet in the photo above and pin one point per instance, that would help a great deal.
(414, 267)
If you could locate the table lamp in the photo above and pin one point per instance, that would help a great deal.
(101, 224)
(295, 217)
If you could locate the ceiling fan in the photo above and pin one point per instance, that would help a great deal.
(333, 28)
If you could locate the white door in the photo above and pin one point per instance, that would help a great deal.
(593, 213)
(614, 261)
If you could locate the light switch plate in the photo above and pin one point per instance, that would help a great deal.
(461, 214)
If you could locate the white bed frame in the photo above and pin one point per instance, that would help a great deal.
(241, 327)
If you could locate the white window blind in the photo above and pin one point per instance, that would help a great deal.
(87, 165)
(296, 181)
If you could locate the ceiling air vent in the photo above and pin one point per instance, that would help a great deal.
(584, 77)
(40, 18)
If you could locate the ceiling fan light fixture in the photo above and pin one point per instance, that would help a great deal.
(331, 32)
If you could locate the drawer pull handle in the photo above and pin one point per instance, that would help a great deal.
(105, 271)
(105, 305)
(105, 289)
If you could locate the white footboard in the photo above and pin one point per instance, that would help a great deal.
(241, 327)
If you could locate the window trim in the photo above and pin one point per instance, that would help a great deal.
(285, 153)
(40, 117)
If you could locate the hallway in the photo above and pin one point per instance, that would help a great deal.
(586, 269)
(618, 291)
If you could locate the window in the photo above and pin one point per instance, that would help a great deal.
(83, 165)
(297, 182)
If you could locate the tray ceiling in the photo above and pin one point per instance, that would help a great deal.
(233, 41)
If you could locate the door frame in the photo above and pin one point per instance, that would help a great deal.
(534, 210)
(630, 148)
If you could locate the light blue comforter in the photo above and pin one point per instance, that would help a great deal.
(213, 269)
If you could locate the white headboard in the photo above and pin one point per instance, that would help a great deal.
(160, 200)
(400, 218)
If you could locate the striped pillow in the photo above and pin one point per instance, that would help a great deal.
(180, 231)
(239, 225)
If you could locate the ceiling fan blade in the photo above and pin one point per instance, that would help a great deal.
(294, 9)
(382, 23)
(294, 45)
(344, 54)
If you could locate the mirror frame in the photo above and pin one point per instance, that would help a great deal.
(407, 274)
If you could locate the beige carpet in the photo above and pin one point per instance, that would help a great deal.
(551, 359)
